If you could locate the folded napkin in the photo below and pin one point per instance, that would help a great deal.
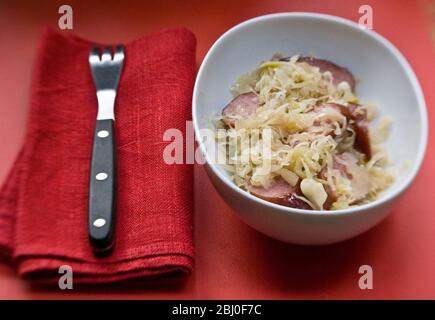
(43, 203)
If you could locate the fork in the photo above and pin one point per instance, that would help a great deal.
(106, 72)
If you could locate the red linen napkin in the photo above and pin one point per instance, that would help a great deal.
(43, 203)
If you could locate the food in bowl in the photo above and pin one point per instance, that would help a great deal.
(296, 134)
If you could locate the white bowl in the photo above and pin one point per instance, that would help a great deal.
(384, 77)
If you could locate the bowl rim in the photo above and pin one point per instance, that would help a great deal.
(422, 109)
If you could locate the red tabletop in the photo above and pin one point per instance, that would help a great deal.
(233, 260)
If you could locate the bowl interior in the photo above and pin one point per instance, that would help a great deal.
(383, 76)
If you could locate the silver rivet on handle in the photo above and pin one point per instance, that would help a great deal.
(103, 134)
(101, 176)
(99, 222)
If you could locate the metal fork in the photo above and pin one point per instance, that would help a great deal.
(106, 72)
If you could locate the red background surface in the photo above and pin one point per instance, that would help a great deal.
(233, 260)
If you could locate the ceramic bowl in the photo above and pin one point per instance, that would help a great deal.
(383, 77)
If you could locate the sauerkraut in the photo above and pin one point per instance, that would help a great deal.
(308, 131)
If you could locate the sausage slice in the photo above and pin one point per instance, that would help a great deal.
(357, 176)
(280, 193)
(359, 116)
(332, 197)
(361, 129)
(243, 105)
(339, 74)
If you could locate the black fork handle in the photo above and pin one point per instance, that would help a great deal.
(102, 188)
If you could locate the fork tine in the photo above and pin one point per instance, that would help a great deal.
(94, 55)
(107, 55)
(107, 70)
(119, 53)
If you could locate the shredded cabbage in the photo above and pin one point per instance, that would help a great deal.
(308, 146)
